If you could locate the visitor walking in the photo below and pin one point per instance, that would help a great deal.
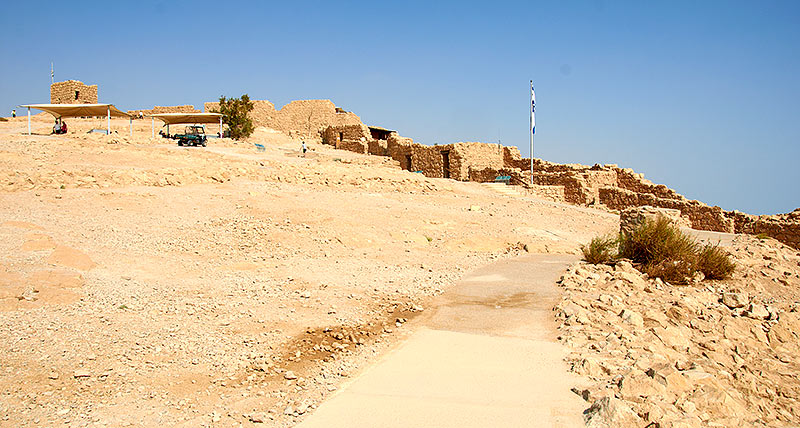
(305, 149)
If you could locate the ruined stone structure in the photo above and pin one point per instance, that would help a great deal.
(607, 185)
(165, 109)
(300, 119)
(455, 160)
(73, 92)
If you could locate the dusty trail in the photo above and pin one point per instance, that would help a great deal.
(487, 356)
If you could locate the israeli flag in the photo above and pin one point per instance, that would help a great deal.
(533, 110)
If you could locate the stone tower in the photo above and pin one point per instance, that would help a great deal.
(73, 92)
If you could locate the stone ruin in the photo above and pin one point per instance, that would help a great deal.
(599, 185)
(299, 119)
(73, 92)
(164, 109)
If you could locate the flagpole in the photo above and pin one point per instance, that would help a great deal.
(530, 128)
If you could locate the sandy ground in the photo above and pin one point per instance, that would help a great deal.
(142, 284)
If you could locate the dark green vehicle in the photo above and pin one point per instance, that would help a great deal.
(194, 135)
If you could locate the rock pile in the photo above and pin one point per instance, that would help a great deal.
(716, 353)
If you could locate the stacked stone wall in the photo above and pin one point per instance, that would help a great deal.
(304, 119)
(785, 227)
(702, 216)
(164, 109)
(614, 187)
(473, 155)
(73, 92)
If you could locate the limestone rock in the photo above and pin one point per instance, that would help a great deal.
(632, 318)
(758, 312)
(631, 218)
(609, 412)
(637, 385)
(735, 300)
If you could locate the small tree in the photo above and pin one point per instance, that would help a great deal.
(235, 114)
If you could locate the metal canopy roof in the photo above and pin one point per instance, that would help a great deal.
(173, 118)
(79, 110)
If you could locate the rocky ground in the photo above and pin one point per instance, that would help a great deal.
(142, 284)
(711, 354)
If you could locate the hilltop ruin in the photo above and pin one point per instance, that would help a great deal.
(599, 185)
(298, 119)
(73, 92)
(607, 185)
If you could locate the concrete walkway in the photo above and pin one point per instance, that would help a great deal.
(486, 357)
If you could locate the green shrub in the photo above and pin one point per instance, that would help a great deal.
(602, 250)
(714, 262)
(235, 115)
(659, 249)
(656, 241)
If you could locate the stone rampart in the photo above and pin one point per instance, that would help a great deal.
(702, 216)
(73, 92)
(304, 119)
(609, 185)
(164, 109)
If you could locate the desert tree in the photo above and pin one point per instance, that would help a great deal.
(235, 114)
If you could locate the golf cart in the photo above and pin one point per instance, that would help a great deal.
(194, 135)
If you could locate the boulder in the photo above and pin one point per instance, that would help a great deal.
(637, 385)
(758, 312)
(610, 412)
(735, 300)
(631, 218)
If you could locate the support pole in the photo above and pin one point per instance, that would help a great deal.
(29, 121)
(530, 129)
(168, 130)
(220, 127)
(153, 126)
(108, 123)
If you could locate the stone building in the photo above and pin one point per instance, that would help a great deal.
(73, 92)
(455, 160)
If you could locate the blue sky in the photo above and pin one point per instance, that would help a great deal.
(700, 96)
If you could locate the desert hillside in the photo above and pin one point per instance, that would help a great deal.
(146, 284)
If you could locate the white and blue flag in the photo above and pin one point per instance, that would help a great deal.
(533, 110)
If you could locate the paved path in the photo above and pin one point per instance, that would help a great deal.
(485, 357)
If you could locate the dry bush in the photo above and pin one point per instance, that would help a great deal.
(659, 249)
(671, 271)
(602, 250)
(656, 241)
(714, 262)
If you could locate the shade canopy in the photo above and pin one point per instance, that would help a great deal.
(79, 110)
(190, 118)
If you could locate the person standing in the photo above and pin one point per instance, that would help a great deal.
(13, 112)
(305, 149)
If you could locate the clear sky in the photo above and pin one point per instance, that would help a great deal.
(699, 95)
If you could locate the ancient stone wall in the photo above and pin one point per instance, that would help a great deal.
(304, 119)
(474, 156)
(73, 92)
(399, 149)
(783, 227)
(164, 109)
(609, 185)
(702, 216)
